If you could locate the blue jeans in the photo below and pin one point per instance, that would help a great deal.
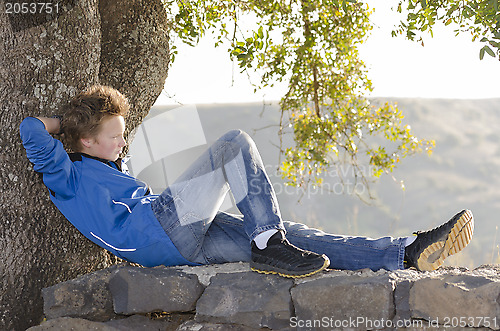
(188, 211)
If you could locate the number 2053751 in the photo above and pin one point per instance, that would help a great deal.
(455, 322)
(31, 8)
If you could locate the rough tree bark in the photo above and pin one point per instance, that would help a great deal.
(44, 60)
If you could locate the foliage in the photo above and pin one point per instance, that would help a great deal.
(480, 18)
(312, 45)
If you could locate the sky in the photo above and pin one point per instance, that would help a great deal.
(448, 66)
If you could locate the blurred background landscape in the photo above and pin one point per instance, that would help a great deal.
(462, 172)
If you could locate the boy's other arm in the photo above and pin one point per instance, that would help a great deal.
(48, 155)
(52, 124)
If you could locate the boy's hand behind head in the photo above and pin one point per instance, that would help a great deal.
(52, 124)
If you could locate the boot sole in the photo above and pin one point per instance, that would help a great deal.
(264, 269)
(459, 236)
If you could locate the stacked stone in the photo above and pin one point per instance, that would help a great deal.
(230, 296)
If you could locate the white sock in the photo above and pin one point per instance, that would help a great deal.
(410, 240)
(263, 237)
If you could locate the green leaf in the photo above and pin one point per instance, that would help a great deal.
(489, 51)
(467, 12)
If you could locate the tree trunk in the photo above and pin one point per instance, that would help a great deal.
(134, 53)
(45, 60)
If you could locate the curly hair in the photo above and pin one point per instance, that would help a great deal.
(86, 111)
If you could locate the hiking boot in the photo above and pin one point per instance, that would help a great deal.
(430, 248)
(282, 258)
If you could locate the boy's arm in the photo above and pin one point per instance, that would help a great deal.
(48, 155)
(52, 124)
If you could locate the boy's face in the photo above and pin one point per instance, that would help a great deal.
(109, 141)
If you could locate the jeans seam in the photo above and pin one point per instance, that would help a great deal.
(258, 230)
(401, 254)
(265, 228)
(231, 223)
(172, 224)
(316, 239)
(158, 204)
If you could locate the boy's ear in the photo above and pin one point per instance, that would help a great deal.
(86, 142)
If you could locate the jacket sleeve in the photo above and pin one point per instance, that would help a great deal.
(48, 157)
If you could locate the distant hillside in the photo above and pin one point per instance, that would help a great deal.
(463, 172)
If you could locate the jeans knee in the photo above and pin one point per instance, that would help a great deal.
(238, 136)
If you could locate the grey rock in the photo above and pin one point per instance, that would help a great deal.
(132, 323)
(489, 268)
(337, 301)
(457, 300)
(402, 300)
(140, 323)
(206, 272)
(74, 324)
(87, 297)
(196, 326)
(248, 299)
(143, 290)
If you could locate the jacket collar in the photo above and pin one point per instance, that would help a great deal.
(78, 157)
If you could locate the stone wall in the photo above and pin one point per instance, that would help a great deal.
(230, 296)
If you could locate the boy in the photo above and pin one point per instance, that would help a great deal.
(182, 225)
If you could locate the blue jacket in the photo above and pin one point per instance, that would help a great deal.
(109, 207)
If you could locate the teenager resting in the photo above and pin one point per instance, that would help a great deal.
(182, 225)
